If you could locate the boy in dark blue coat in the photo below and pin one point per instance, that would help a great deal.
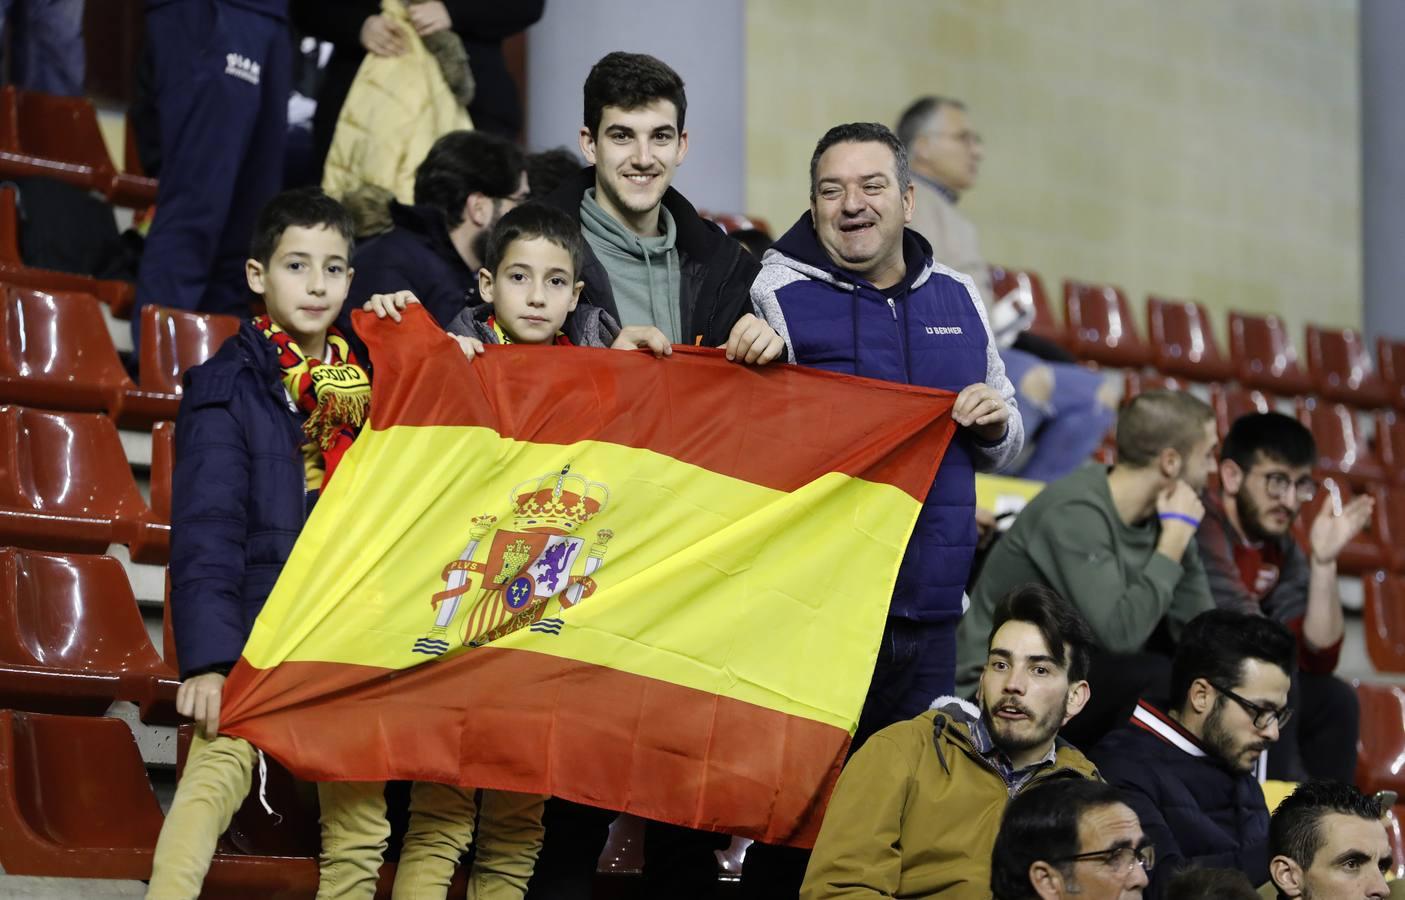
(261, 428)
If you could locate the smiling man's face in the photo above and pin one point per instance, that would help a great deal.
(636, 153)
(860, 210)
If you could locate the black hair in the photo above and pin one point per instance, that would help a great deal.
(1276, 436)
(1153, 421)
(467, 162)
(548, 169)
(919, 115)
(1295, 831)
(1215, 644)
(1067, 633)
(630, 81)
(1210, 884)
(304, 207)
(1041, 824)
(861, 133)
(535, 220)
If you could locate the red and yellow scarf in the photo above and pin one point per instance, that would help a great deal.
(336, 395)
(504, 338)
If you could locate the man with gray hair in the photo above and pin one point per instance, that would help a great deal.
(1067, 409)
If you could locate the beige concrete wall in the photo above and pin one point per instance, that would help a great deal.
(1192, 148)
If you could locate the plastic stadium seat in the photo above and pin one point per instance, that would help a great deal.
(1341, 448)
(735, 222)
(1134, 383)
(57, 352)
(1264, 356)
(74, 798)
(118, 295)
(1340, 363)
(1391, 357)
(163, 463)
(65, 485)
(1030, 290)
(58, 137)
(1183, 341)
(173, 340)
(1232, 402)
(1380, 746)
(1390, 445)
(72, 639)
(1362, 554)
(1385, 621)
(1390, 525)
(1100, 326)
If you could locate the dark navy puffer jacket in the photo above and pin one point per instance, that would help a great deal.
(929, 330)
(238, 499)
(1197, 811)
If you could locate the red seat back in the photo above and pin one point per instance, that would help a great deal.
(174, 340)
(65, 464)
(1264, 355)
(1101, 327)
(55, 351)
(1391, 356)
(1183, 341)
(1029, 288)
(1381, 741)
(1230, 403)
(1341, 447)
(1385, 621)
(1340, 364)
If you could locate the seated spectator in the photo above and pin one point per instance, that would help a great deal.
(1189, 771)
(1255, 566)
(1327, 842)
(1210, 884)
(1070, 838)
(916, 810)
(549, 169)
(1119, 543)
(1066, 408)
(465, 184)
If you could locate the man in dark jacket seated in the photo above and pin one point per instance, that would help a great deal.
(467, 182)
(1189, 772)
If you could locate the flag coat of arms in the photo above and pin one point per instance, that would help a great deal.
(652, 585)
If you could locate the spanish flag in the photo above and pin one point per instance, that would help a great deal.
(652, 585)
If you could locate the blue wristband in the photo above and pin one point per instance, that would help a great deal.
(1181, 517)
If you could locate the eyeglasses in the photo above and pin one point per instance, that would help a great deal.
(1119, 859)
(1263, 715)
(1277, 484)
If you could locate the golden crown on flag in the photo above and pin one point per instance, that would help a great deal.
(557, 502)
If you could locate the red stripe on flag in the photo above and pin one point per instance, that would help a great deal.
(558, 726)
(773, 426)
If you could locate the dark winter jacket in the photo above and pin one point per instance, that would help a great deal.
(716, 271)
(238, 499)
(929, 330)
(1195, 810)
(416, 255)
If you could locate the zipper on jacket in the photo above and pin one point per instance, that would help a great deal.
(893, 308)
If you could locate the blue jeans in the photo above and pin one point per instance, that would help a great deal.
(1069, 427)
(47, 40)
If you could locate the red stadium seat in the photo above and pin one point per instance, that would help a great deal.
(1390, 525)
(1030, 290)
(118, 295)
(1134, 383)
(1391, 357)
(1100, 326)
(74, 798)
(65, 485)
(735, 222)
(173, 340)
(1230, 403)
(58, 137)
(1264, 356)
(72, 640)
(1183, 341)
(57, 353)
(1381, 744)
(1385, 621)
(163, 452)
(1390, 445)
(1341, 365)
(1362, 554)
(1341, 449)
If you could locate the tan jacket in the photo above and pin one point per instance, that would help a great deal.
(397, 107)
(915, 814)
(952, 236)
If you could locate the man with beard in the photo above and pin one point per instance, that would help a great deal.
(1255, 566)
(466, 183)
(917, 809)
(1328, 843)
(1190, 771)
(1119, 543)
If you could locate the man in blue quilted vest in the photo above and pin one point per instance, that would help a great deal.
(852, 289)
